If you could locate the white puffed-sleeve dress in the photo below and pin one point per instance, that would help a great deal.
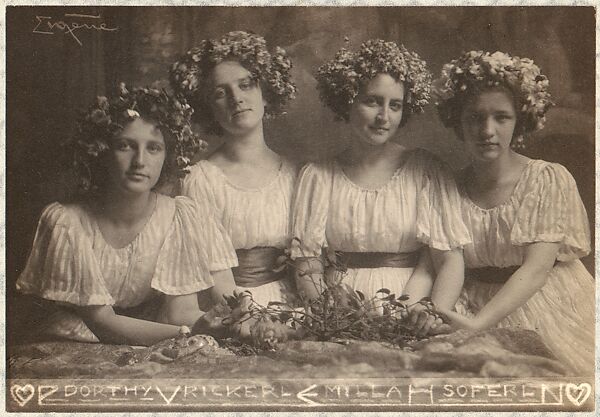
(419, 206)
(258, 221)
(71, 263)
(545, 206)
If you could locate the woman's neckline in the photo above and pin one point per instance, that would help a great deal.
(228, 181)
(403, 159)
(508, 199)
(148, 221)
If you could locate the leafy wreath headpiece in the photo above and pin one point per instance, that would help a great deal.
(106, 117)
(478, 70)
(189, 75)
(339, 80)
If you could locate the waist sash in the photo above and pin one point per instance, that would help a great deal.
(494, 274)
(491, 274)
(356, 260)
(256, 266)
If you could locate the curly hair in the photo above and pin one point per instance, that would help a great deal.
(272, 70)
(476, 71)
(106, 117)
(339, 81)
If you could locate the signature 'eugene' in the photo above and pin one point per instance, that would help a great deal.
(46, 25)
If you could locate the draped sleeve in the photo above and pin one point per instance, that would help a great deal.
(552, 211)
(197, 185)
(440, 223)
(195, 245)
(62, 265)
(311, 205)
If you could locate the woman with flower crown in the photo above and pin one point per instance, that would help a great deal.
(384, 208)
(527, 223)
(122, 244)
(233, 83)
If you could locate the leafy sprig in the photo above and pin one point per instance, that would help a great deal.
(339, 312)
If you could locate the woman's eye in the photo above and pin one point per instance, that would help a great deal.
(370, 101)
(219, 93)
(503, 118)
(155, 148)
(122, 145)
(246, 85)
(396, 106)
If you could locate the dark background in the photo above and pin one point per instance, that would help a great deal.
(50, 78)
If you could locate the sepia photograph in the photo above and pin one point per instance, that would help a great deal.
(300, 208)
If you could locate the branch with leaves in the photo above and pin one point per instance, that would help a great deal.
(339, 312)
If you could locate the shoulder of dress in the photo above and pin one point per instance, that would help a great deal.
(203, 172)
(322, 167)
(539, 166)
(54, 213)
(556, 168)
(548, 171)
(69, 216)
(199, 168)
(55, 209)
(316, 173)
(195, 210)
(291, 167)
(184, 203)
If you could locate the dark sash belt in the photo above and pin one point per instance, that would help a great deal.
(256, 266)
(491, 274)
(378, 259)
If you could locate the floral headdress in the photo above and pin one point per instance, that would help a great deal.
(477, 70)
(106, 117)
(339, 80)
(271, 69)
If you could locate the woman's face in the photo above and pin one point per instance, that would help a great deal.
(137, 156)
(377, 111)
(235, 98)
(487, 125)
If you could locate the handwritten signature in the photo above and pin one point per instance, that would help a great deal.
(46, 25)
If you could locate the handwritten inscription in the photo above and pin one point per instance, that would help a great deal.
(205, 394)
(47, 25)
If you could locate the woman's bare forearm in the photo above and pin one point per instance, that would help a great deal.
(224, 285)
(110, 327)
(421, 281)
(449, 279)
(309, 275)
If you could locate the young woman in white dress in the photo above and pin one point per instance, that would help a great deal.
(385, 207)
(233, 83)
(526, 219)
(121, 244)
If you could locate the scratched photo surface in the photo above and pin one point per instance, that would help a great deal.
(59, 58)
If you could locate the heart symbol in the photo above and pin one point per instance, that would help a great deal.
(22, 394)
(578, 393)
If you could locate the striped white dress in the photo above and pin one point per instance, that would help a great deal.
(252, 217)
(72, 264)
(419, 206)
(545, 206)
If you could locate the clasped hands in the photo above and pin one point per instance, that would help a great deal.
(223, 321)
(428, 320)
